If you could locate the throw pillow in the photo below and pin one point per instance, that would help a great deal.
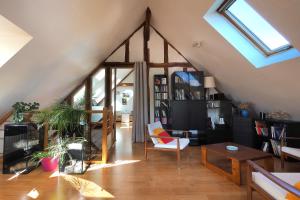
(161, 132)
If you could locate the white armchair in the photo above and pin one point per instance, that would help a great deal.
(177, 144)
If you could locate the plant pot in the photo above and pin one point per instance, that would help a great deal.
(27, 117)
(245, 113)
(49, 164)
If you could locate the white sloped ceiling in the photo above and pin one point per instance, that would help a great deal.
(272, 88)
(70, 37)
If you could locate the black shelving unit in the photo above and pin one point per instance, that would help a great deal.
(161, 99)
(20, 142)
(291, 130)
(188, 105)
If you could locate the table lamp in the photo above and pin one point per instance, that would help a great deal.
(209, 82)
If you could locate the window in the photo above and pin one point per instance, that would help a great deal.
(261, 33)
(12, 39)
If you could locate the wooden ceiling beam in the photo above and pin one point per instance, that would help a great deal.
(151, 65)
(5, 117)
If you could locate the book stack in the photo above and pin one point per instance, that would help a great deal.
(261, 128)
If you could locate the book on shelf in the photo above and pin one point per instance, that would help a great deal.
(164, 81)
(277, 132)
(265, 147)
(276, 147)
(261, 128)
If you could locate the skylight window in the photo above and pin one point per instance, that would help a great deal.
(261, 33)
(12, 39)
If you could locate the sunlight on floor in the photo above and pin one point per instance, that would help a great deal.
(16, 175)
(87, 188)
(56, 174)
(116, 163)
(34, 194)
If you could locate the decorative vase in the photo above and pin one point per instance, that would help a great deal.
(49, 164)
(245, 113)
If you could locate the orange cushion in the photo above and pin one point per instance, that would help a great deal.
(163, 133)
(291, 196)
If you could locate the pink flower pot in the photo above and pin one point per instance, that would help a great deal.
(49, 164)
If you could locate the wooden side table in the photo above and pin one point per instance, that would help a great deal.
(237, 159)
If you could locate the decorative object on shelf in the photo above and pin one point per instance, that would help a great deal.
(279, 115)
(209, 83)
(21, 111)
(244, 109)
(232, 148)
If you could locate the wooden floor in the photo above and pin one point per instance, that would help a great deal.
(128, 176)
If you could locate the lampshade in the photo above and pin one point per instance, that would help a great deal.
(209, 82)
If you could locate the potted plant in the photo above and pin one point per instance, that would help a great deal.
(244, 109)
(56, 154)
(21, 111)
(67, 121)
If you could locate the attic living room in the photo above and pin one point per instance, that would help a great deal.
(149, 99)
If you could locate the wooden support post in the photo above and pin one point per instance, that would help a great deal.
(104, 135)
(147, 35)
(46, 132)
(166, 56)
(147, 54)
(108, 78)
(127, 51)
(88, 106)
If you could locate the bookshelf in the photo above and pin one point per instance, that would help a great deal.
(269, 134)
(161, 99)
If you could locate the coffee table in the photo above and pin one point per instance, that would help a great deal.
(237, 159)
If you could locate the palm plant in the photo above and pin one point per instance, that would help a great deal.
(61, 117)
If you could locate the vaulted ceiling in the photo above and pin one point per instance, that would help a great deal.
(70, 37)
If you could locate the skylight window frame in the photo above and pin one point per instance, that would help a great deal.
(223, 10)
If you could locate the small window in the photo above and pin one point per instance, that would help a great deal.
(261, 33)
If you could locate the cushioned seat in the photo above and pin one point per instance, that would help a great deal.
(292, 151)
(273, 189)
(183, 142)
(162, 141)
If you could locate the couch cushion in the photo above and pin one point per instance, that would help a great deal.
(183, 142)
(291, 151)
(273, 189)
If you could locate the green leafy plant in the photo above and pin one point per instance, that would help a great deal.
(61, 117)
(57, 149)
(20, 108)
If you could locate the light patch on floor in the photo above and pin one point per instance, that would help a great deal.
(34, 194)
(87, 188)
(116, 163)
